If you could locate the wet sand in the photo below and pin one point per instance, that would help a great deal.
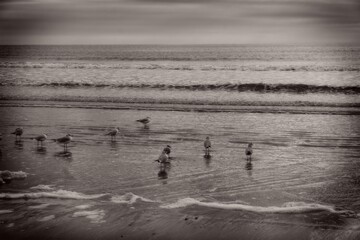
(303, 158)
(163, 224)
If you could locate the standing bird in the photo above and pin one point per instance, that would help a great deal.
(40, 139)
(207, 145)
(167, 150)
(113, 133)
(144, 121)
(163, 158)
(65, 140)
(18, 132)
(249, 151)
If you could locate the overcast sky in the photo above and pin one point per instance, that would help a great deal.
(179, 21)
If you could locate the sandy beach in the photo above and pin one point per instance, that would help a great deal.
(105, 107)
(301, 184)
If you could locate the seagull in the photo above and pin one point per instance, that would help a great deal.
(207, 145)
(249, 151)
(144, 121)
(40, 139)
(163, 158)
(65, 140)
(18, 132)
(113, 133)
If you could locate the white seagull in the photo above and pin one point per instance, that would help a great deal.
(144, 121)
(40, 139)
(18, 132)
(113, 133)
(65, 140)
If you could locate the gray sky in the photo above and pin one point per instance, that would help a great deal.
(179, 21)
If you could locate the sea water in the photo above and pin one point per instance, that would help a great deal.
(298, 105)
(215, 75)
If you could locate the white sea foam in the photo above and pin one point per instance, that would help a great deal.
(85, 206)
(63, 194)
(96, 216)
(290, 207)
(6, 211)
(47, 218)
(212, 190)
(41, 206)
(43, 187)
(14, 175)
(129, 198)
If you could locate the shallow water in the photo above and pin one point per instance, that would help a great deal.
(304, 165)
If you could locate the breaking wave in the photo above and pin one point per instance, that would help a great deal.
(246, 87)
(129, 198)
(290, 207)
(62, 194)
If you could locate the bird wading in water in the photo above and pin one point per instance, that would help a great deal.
(64, 140)
(18, 132)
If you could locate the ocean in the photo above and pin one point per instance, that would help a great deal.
(204, 75)
(298, 105)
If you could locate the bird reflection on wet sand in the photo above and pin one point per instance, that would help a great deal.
(19, 144)
(207, 160)
(114, 145)
(163, 172)
(249, 168)
(41, 150)
(64, 154)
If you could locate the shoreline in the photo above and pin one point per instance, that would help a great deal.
(294, 109)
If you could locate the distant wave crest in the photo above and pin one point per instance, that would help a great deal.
(241, 87)
(182, 67)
